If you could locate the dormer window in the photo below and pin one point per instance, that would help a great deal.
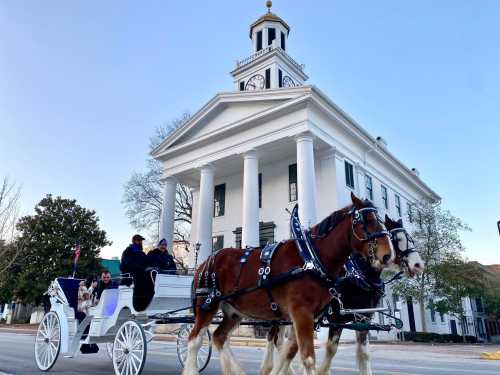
(271, 35)
(282, 40)
(259, 40)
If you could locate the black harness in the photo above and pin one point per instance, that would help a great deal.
(312, 263)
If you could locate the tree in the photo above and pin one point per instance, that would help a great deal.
(143, 192)
(9, 211)
(492, 298)
(48, 239)
(456, 279)
(437, 237)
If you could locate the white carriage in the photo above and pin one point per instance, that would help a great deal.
(114, 323)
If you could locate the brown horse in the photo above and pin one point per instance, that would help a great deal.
(297, 299)
(353, 297)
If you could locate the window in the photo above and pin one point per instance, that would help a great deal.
(479, 305)
(398, 204)
(219, 200)
(260, 190)
(217, 243)
(292, 182)
(349, 174)
(384, 196)
(280, 78)
(409, 209)
(369, 187)
(268, 78)
(259, 40)
(395, 299)
(441, 315)
(271, 35)
(433, 314)
(242, 86)
(283, 40)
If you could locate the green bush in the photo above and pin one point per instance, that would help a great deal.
(437, 338)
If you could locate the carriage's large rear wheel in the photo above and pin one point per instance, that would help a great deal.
(182, 347)
(48, 341)
(129, 349)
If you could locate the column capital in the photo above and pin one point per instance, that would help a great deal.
(207, 168)
(304, 137)
(250, 154)
(169, 179)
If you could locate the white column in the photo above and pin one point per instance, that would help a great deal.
(168, 211)
(306, 180)
(250, 227)
(205, 212)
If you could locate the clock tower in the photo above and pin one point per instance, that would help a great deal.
(269, 66)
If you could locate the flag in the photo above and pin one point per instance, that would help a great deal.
(77, 256)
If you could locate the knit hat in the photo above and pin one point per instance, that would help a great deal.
(162, 242)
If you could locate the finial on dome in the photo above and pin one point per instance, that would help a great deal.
(269, 4)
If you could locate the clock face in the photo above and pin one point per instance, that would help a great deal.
(288, 82)
(255, 83)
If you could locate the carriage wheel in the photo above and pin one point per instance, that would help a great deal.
(182, 347)
(129, 349)
(109, 350)
(48, 341)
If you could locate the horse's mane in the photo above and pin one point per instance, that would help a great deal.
(326, 225)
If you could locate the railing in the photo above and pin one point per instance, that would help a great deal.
(264, 51)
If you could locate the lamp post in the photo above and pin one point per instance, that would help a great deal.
(197, 246)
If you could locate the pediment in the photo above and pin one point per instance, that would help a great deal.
(221, 112)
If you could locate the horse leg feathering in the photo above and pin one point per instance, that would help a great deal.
(331, 347)
(362, 353)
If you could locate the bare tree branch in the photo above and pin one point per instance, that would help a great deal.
(10, 195)
(143, 198)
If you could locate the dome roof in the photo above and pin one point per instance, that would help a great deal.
(269, 16)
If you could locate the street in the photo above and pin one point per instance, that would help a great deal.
(16, 357)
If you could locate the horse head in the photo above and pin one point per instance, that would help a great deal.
(407, 257)
(370, 236)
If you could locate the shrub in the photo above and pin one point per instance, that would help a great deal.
(437, 338)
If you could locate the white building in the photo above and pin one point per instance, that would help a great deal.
(272, 142)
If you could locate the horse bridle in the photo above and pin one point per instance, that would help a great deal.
(359, 216)
(404, 254)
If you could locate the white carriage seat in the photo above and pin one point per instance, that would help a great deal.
(171, 292)
(107, 304)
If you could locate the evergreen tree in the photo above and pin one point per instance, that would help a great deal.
(49, 237)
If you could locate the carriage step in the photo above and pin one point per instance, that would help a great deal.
(363, 311)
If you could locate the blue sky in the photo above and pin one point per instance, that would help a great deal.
(83, 85)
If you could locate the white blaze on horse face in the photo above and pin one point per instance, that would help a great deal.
(416, 265)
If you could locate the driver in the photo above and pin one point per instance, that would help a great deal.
(135, 262)
(161, 259)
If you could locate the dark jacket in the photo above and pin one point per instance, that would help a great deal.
(162, 260)
(134, 260)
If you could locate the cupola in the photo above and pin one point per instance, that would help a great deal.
(269, 66)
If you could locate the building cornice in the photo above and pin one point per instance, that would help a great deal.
(349, 124)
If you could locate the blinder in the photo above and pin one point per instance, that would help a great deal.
(359, 216)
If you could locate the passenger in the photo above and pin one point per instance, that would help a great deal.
(103, 284)
(161, 259)
(135, 262)
(85, 296)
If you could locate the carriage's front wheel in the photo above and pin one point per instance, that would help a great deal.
(129, 349)
(48, 341)
(204, 353)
